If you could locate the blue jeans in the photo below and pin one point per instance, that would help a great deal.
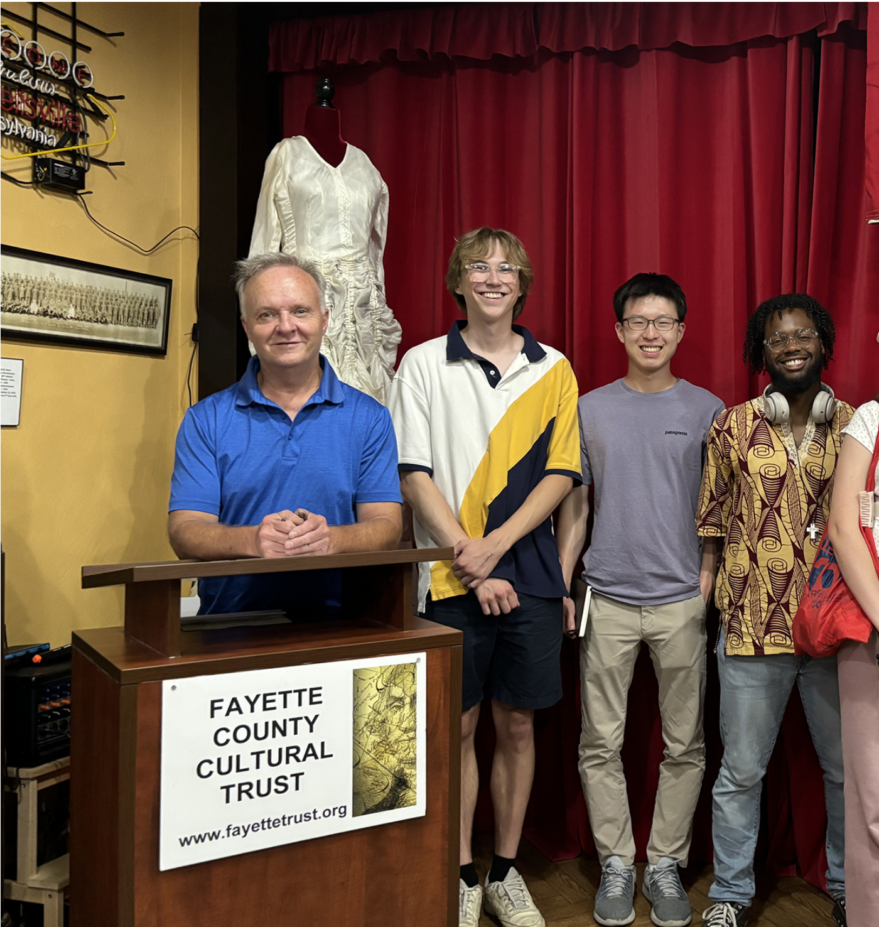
(754, 692)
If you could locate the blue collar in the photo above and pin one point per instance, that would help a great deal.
(249, 393)
(456, 347)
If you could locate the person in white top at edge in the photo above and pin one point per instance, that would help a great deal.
(643, 445)
(486, 420)
(859, 669)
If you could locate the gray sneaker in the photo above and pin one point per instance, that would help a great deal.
(663, 889)
(614, 903)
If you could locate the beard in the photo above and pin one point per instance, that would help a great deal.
(796, 383)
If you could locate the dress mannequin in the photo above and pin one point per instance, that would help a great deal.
(323, 200)
(323, 125)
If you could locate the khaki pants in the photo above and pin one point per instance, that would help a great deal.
(675, 635)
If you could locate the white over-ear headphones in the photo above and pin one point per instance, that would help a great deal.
(776, 408)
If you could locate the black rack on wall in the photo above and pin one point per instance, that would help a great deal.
(77, 81)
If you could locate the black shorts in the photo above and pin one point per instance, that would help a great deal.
(512, 658)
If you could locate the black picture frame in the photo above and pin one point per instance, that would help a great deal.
(60, 300)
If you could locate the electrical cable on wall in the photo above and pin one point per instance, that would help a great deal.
(81, 196)
(134, 244)
(193, 333)
(16, 181)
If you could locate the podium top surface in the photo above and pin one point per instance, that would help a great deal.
(118, 573)
(128, 661)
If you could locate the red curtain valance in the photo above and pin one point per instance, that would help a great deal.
(518, 30)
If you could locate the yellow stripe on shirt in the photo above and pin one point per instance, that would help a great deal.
(509, 442)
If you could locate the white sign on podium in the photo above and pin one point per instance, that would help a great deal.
(267, 757)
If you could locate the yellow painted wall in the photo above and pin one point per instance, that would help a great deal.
(85, 476)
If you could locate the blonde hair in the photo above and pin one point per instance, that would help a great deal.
(477, 246)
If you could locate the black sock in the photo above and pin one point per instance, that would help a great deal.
(468, 874)
(500, 866)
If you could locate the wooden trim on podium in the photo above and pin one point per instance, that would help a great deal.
(100, 796)
(118, 573)
(152, 615)
(205, 653)
(383, 593)
(378, 583)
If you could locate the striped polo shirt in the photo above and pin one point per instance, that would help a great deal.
(487, 440)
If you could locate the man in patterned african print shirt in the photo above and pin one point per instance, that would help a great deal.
(766, 490)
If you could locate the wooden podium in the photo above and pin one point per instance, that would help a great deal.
(401, 873)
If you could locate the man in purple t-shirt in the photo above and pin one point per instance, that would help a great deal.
(643, 443)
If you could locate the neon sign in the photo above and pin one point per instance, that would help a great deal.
(34, 70)
(57, 64)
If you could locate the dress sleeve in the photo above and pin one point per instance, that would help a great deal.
(195, 483)
(379, 236)
(715, 494)
(386, 329)
(267, 231)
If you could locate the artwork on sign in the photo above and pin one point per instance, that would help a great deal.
(263, 758)
(385, 738)
(61, 300)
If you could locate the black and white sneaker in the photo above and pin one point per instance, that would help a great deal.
(726, 914)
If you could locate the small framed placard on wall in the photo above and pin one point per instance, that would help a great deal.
(11, 375)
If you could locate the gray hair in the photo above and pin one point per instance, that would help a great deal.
(250, 267)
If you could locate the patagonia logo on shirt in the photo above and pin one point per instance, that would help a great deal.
(677, 433)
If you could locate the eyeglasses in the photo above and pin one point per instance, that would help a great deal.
(777, 341)
(479, 270)
(637, 323)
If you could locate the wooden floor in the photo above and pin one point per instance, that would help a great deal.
(565, 892)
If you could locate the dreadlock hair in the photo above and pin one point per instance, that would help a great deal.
(752, 352)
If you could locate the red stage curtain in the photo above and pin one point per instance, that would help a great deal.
(518, 30)
(696, 162)
(872, 128)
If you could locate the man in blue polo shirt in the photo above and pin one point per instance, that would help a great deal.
(289, 461)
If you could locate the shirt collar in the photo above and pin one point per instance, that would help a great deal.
(456, 347)
(249, 393)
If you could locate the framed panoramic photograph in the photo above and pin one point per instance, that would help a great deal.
(64, 301)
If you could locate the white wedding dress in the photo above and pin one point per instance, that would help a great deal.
(336, 217)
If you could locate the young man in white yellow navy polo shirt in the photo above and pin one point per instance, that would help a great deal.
(486, 420)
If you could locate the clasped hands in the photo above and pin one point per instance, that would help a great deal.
(474, 559)
(292, 534)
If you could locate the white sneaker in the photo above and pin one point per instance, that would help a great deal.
(469, 904)
(511, 903)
